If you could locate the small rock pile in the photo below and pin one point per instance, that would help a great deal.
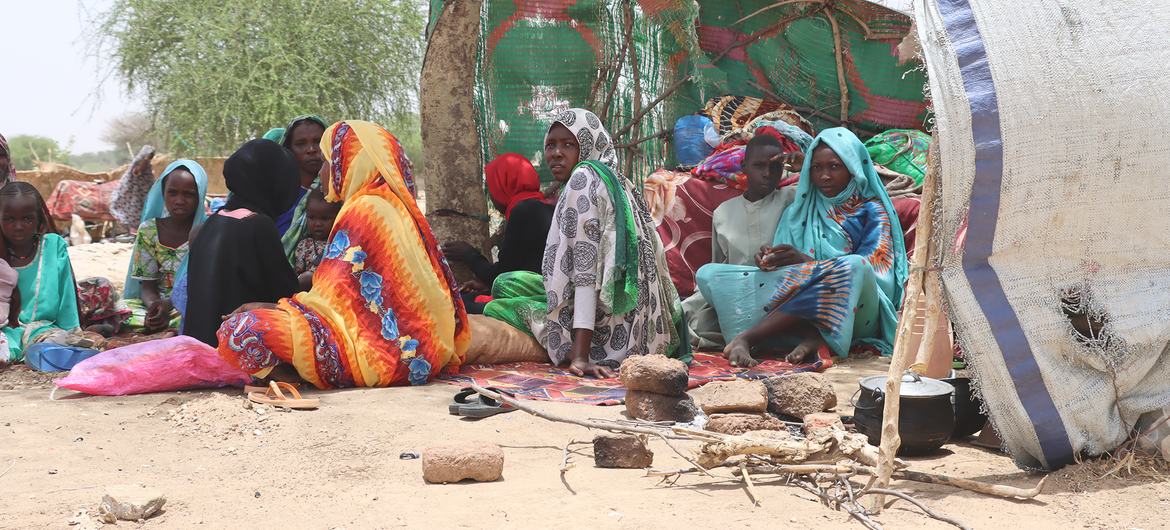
(656, 389)
(741, 406)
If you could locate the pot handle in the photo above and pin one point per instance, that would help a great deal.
(914, 377)
(878, 399)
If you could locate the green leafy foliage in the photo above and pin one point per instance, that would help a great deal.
(215, 73)
(27, 149)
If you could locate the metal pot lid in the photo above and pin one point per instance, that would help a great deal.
(913, 385)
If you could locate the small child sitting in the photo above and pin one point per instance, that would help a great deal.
(320, 216)
(9, 297)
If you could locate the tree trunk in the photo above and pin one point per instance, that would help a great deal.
(455, 203)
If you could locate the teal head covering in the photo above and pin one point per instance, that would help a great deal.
(807, 225)
(275, 134)
(156, 207)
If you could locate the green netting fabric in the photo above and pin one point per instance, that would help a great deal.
(537, 56)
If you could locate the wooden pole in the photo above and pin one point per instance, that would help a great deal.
(628, 9)
(627, 43)
(903, 356)
(839, 55)
(937, 350)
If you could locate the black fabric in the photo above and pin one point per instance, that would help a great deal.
(522, 248)
(263, 177)
(233, 262)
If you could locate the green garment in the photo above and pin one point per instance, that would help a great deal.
(48, 296)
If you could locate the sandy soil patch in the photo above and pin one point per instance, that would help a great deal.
(222, 462)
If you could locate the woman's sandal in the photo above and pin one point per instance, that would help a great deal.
(274, 396)
(248, 389)
(477, 407)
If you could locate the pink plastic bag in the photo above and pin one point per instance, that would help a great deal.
(163, 365)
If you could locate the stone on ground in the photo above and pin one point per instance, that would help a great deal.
(649, 406)
(822, 421)
(732, 396)
(621, 451)
(738, 423)
(654, 373)
(800, 394)
(132, 502)
(478, 461)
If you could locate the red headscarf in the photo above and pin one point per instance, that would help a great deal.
(511, 179)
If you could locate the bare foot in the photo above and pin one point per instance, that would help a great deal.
(806, 351)
(739, 353)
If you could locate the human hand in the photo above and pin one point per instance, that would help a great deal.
(783, 256)
(793, 162)
(158, 314)
(473, 286)
(458, 250)
(251, 306)
(586, 368)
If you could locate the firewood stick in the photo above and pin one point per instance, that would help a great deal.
(903, 357)
(995, 490)
(747, 483)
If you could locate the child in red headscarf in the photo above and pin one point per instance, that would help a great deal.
(514, 189)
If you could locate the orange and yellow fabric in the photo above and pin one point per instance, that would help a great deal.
(384, 309)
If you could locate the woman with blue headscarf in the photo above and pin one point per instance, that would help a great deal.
(174, 207)
(835, 273)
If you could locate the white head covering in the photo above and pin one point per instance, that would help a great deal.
(596, 144)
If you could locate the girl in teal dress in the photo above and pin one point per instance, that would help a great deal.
(48, 306)
(835, 273)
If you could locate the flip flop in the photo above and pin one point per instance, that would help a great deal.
(275, 396)
(248, 389)
(479, 407)
(459, 400)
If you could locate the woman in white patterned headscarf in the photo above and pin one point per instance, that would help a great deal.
(606, 293)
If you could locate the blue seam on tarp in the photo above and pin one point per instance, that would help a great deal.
(964, 35)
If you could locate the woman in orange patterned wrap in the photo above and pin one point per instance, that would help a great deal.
(384, 309)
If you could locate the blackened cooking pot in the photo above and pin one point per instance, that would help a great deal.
(926, 417)
(968, 416)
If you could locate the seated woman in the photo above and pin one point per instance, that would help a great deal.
(174, 207)
(236, 256)
(514, 189)
(605, 293)
(303, 138)
(48, 306)
(845, 291)
(384, 309)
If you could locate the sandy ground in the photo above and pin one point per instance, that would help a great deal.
(108, 260)
(222, 464)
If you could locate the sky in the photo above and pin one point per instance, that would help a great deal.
(52, 86)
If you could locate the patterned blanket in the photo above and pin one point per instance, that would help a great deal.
(544, 382)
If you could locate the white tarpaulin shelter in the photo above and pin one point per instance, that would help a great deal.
(1052, 122)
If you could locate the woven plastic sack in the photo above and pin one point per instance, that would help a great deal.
(165, 365)
(1050, 127)
(901, 150)
(690, 139)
